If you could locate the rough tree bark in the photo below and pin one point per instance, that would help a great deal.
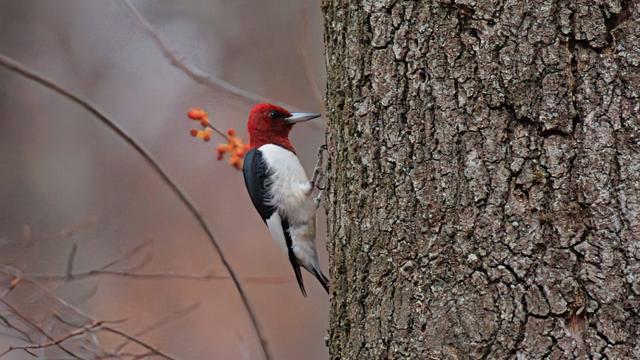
(484, 178)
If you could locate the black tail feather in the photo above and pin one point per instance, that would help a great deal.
(296, 269)
(322, 279)
(292, 256)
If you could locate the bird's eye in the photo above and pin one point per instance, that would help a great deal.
(274, 114)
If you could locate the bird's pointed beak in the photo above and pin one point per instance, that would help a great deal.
(300, 117)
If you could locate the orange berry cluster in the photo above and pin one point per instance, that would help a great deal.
(234, 145)
(200, 115)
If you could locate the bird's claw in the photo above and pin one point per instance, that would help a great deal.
(318, 198)
(318, 175)
(318, 172)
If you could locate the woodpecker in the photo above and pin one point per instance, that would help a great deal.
(279, 188)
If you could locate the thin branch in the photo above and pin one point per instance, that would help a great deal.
(127, 255)
(151, 276)
(193, 72)
(126, 274)
(71, 259)
(107, 270)
(100, 325)
(87, 327)
(218, 131)
(160, 323)
(24, 335)
(137, 341)
(35, 326)
(12, 284)
(54, 342)
(190, 70)
(18, 68)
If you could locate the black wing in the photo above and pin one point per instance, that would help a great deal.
(256, 178)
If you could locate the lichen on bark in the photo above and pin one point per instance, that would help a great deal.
(484, 178)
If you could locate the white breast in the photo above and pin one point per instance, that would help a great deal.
(289, 187)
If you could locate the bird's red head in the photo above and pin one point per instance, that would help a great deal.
(271, 124)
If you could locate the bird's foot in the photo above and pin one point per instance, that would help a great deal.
(318, 198)
(318, 171)
(317, 181)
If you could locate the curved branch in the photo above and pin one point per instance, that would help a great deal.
(35, 326)
(18, 68)
(190, 70)
(198, 75)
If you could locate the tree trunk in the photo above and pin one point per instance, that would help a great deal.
(484, 178)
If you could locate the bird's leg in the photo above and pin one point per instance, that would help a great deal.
(318, 198)
(318, 175)
(318, 171)
(321, 189)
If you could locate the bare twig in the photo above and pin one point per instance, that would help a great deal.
(190, 70)
(160, 323)
(18, 68)
(71, 259)
(87, 326)
(197, 74)
(38, 328)
(54, 342)
(218, 131)
(128, 254)
(126, 274)
(100, 325)
(137, 341)
(23, 335)
(152, 276)
(12, 284)
(107, 270)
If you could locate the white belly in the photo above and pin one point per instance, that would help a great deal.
(290, 189)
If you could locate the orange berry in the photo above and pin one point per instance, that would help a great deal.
(204, 122)
(231, 132)
(193, 133)
(196, 114)
(222, 148)
(235, 161)
(206, 137)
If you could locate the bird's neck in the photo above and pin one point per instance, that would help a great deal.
(257, 140)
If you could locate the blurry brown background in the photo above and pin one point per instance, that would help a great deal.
(65, 178)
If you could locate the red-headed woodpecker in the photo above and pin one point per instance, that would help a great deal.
(279, 187)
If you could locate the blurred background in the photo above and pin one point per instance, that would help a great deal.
(66, 179)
